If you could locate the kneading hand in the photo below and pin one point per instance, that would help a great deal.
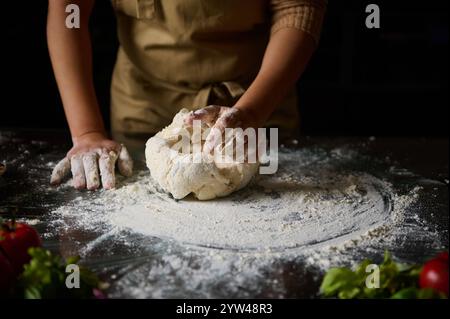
(90, 155)
(218, 118)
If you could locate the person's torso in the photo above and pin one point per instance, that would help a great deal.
(194, 42)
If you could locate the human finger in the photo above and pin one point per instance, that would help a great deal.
(125, 162)
(107, 164)
(60, 171)
(90, 165)
(207, 115)
(79, 178)
(214, 137)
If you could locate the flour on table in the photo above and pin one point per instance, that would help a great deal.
(317, 211)
(178, 173)
(276, 213)
(310, 202)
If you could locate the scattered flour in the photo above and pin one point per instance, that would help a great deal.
(312, 212)
(276, 213)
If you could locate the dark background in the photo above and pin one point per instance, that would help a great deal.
(391, 81)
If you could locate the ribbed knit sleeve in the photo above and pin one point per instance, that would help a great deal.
(306, 15)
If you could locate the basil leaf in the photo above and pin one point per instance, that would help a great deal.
(338, 279)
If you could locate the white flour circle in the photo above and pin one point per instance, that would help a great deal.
(322, 209)
(305, 204)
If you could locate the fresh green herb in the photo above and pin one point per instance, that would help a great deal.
(396, 280)
(45, 277)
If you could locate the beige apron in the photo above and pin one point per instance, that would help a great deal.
(187, 53)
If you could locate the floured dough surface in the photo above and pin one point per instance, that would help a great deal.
(179, 175)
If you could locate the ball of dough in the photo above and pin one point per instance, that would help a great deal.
(177, 173)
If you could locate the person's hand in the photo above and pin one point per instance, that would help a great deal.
(218, 118)
(90, 155)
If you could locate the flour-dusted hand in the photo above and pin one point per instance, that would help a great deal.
(92, 161)
(218, 118)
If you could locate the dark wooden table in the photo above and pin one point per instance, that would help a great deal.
(27, 153)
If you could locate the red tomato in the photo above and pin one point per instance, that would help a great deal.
(443, 256)
(434, 274)
(15, 239)
(6, 275)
